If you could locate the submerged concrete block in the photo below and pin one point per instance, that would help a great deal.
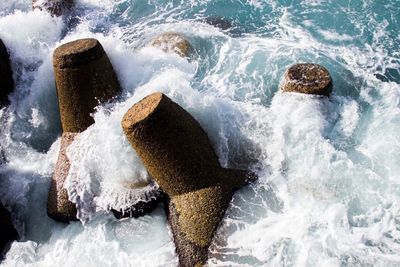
(84, 78)
(219, 22)
(179, 156)
(307, 78)
(6, 79)
(54, 7)
(7, 230)
(172, 42)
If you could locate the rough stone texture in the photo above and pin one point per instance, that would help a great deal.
(59, 207)
(84, 77)
(7, 230)
(307, 78)
(179, 156)
(6, 79)
(54, 7)
(189, 252)
(172, 42)
(141, 208)
(200, 212)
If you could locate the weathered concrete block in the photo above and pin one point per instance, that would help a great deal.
(84, 78)
(59, 207)
(307, 78)
(179, 156)
(54, 7)
(172, 42)
(6, 79)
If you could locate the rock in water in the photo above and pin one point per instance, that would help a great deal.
(219, 22)
(7, 230)
(179, 156)
(307, 78)
(84, 77)
(6, 79)
(172, 42)
(54, 7)
(59, 207)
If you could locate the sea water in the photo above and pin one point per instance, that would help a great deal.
(328, 192)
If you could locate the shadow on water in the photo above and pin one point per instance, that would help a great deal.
(259, 198)
(248, 206)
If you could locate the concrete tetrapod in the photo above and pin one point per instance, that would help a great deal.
(6, 79)
(54, 7)
(84, 77)
(171, 42)
(307, 78)
(179, 156)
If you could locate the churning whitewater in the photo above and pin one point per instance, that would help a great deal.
(328, 192)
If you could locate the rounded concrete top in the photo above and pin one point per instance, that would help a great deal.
(78, 52)
(307, 78)
(172, 42)
(141, 110)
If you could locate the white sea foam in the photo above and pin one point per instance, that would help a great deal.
(132, 242)
(330, 35)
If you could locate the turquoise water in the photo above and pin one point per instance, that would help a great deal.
(329, 187)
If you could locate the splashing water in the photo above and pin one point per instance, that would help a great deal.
(329, 187)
